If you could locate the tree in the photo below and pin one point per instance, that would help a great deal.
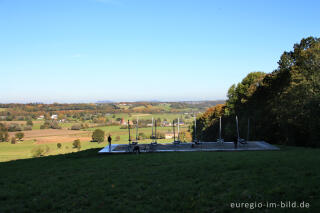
(13, 140)
(19, 135)
(29, 122)
(40, 151)
(76, 144)
(27, 128)
(282, 105)
(4, 136)
(59, 145)
(98, 136)
(76, 127)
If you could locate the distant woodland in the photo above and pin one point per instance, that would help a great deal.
(12, 112)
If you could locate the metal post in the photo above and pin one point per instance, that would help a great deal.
(237, 127)
(248, 129)
(155, 130)
(152, 131)
(220, 130)
(174, 132)
(129, 132)
(195, 128)
(137, 130)
(178, 129)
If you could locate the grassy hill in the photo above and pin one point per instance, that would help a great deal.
(160, 182)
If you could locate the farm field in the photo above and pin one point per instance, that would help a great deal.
(134, 116)
(161, 182)
(50, 137)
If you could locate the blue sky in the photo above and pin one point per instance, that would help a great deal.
(128, 50)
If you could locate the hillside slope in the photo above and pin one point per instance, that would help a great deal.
(160, 182)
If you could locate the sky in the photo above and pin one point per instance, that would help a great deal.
(134, 50)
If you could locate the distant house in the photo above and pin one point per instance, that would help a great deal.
(124, 122)
(54, 117)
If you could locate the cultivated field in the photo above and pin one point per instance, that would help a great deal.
(44, 136)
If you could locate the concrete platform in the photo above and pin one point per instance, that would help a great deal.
(191, 147)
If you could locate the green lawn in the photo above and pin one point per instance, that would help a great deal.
(160, 182)
(168, 116)
(36, 126)
(23, 150)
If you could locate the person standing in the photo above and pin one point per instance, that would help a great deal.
(109, 141)
(235, 141)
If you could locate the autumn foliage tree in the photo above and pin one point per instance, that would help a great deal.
(283, 106)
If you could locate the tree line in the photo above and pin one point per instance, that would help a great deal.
(281, 107)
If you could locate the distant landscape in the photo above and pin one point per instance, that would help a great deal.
(51, 129)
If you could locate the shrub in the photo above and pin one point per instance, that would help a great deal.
(13, 140)
(50, 125)
(59, 145)
(4, 136)
(27, 128)
(98, 136)
(76, 144)
(161, 136)
(55, 125)
(29, 123)
(142, 136)
(19, 135)
(118, 138)
(14, 127)
(76, 127)
(40, 151)
(84, 126)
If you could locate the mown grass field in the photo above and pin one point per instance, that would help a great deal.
(160, 182)
(23, 150)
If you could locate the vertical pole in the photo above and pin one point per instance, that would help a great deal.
(237, 126)
(152, 131)
(220, 130)
(129, 132)
(248, 129)
(174, 131)
(195, 128)
(178, 129)
(155, 130)
(137, 130)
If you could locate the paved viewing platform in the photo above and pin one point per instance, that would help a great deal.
(190, 147)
